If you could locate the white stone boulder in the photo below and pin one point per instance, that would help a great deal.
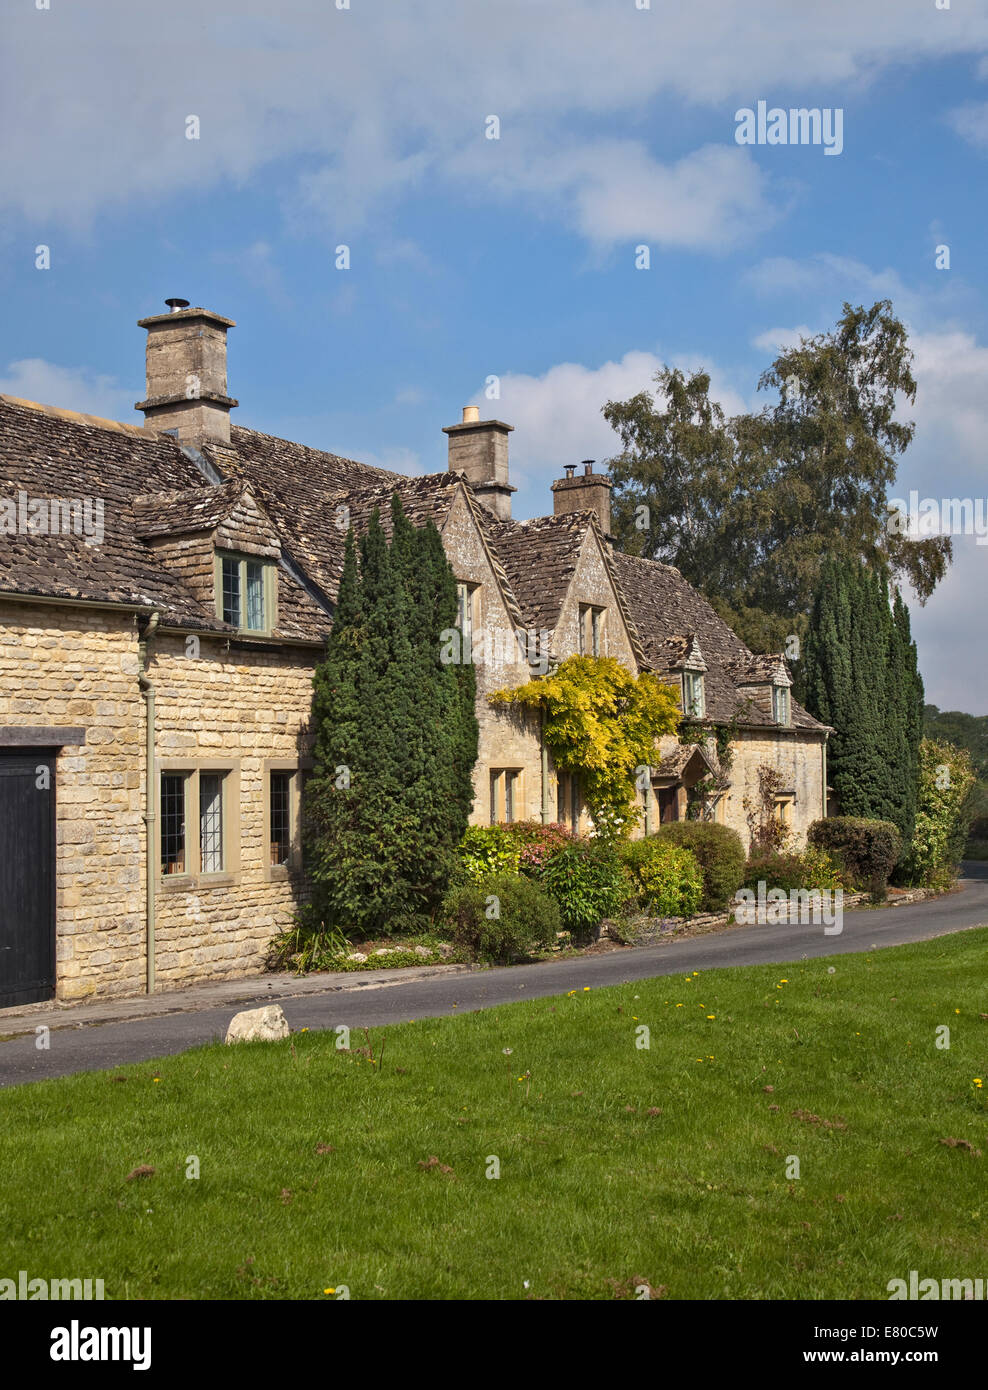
(265, 1024)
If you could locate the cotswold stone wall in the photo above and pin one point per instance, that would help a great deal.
(509, 737)
(230, 711)
(226, 710)
(66, 666)
(798, 759)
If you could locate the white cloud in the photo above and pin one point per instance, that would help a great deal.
(557, 416)
(613, 190)
(828, 276)
(776, 340)
(70, 388)
(377, 101)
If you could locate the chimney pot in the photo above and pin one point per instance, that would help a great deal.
(471, 414)
(175, 304)
(589, 493)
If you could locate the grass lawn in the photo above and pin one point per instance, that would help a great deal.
(618, 1165)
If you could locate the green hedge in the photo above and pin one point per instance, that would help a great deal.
(503, 917)
(667, 878)
(719, 851)
(866, 850)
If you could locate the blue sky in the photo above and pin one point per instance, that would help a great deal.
(513, 257)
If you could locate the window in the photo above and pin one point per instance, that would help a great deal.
(245, 592)
(591, 634)
(505, 795)
(780, 704)
(466, 613)
(194, 791)
(231, 591)
(694, 704)
(173, 822)
(211, 822)
(783, 808)
(281, 818)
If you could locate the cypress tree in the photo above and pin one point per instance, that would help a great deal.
(860, 676)
(382, 846)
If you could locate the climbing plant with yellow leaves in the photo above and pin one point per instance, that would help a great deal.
(601, 722)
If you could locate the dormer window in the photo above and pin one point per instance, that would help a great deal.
(694, 701)
(245, 591)
(780, 704)
(591, 634)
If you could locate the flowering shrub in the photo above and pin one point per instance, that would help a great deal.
(538, 842)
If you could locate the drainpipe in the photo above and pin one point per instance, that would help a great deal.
(147, 692)
(545, 771)
(823, 759)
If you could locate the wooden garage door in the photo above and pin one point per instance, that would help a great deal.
(27, 876)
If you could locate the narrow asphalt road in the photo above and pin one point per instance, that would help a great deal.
(91, 1047)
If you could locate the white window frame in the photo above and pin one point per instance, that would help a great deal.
(695, 705)
(781, 705)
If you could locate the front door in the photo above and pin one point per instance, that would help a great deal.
(27, 877)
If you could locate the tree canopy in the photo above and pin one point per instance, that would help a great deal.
(747, 507)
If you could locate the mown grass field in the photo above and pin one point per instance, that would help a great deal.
(619, 1166)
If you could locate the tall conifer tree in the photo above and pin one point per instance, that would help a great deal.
(860, 676)
(382, 834)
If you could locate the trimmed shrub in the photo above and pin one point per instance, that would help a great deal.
(718, 850)
(503, 917)
(814, 868)
(486, 850)
(866, 851)
(588, 881)
(667, 878)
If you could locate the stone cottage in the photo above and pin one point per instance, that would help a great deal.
(165, 593)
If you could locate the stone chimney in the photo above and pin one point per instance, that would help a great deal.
(589, 492)
(479, 448)
(186, 374)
